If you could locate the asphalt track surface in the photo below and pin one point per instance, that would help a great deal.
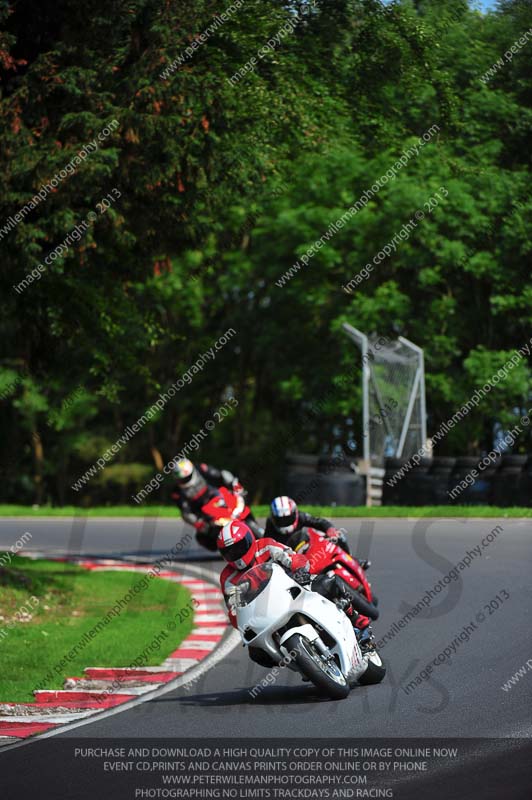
(462, 698)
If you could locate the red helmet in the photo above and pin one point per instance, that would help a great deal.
(237, 545)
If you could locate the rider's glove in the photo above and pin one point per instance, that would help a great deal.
(227, 477)
(232, 598)
(335, 535)
(302, 575)
(237, 487)
(283, 557)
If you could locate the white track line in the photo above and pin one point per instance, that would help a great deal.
(55, 719)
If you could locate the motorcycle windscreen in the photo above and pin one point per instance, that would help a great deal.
(253, 582)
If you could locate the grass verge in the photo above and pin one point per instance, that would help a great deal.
(261, 511)
(97, 511)
(410, 511)
(53, 638)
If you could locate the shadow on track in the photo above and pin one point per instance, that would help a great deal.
(269, 696)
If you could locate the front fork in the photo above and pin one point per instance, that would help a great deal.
(308, 632)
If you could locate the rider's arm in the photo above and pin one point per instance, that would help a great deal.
(217, 477)
(227, 586)
(325, 526)
(186, 510)
(284, 555)
(318, 523)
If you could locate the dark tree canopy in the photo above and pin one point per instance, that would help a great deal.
(216, 188)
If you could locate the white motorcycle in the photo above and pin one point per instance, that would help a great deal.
(303, 630)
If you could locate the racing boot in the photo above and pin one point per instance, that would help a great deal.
(343, 600)
(344, 604)
(365, 563)
(366, 640)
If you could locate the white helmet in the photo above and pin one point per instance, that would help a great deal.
(190, 480)
(284, 514)
(183, 470)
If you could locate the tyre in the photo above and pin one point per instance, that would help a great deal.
(302, 463)
(515, 461)
(375, 671)
(325, 675)
(466, 463)
(393, 464)
(442, 463)
(360, 604)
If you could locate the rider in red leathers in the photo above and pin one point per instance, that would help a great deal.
(195, 486)
(238, 546)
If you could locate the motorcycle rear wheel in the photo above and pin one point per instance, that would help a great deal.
(325, 675)
(359, 602)
(374, 673)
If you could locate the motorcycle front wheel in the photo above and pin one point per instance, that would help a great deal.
(325, 674)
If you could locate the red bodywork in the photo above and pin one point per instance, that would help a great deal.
(324, 556)
(224, 507)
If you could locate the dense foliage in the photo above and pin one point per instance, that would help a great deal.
(216, 188)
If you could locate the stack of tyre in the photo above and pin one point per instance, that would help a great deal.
(299, 475)
(413, 489)
(525, 489)
(512, 483)
(479, 493)
(323, 481)
(505, 482)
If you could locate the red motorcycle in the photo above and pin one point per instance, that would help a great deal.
(218, 510)
(328, 559)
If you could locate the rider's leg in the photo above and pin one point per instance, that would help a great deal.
(361, 622)
(326, 586)
(341, 591)
(333, 588)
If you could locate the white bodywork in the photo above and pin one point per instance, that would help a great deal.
(278, 602)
